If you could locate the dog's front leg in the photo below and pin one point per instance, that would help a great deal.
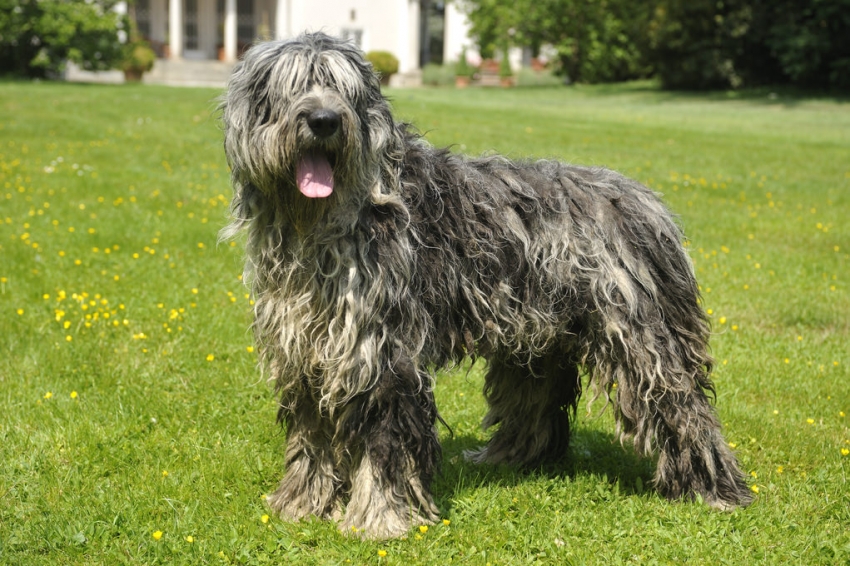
(394, 450)
(309, 486)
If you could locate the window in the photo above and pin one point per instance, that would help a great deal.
(245, 21)
(353, 35)
(143, 17)
(190, 23)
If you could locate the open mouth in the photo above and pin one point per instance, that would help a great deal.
(314, 174)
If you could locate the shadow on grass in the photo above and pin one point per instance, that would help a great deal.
(784, 96)
(593, 455)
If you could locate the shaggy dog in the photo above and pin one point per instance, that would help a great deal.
(376, 259)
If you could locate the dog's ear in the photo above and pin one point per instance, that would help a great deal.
(246, 204)
(384, 137)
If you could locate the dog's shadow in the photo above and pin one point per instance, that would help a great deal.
(592, 455)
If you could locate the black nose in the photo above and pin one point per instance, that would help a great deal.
(324, 122)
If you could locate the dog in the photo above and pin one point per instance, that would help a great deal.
(376, 259)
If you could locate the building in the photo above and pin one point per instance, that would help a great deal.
(199, 40)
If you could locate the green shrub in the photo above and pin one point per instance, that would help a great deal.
(529, 77)
(138, 56)
(462, 67)
(505, 66)
(384, 63)
(438, 75)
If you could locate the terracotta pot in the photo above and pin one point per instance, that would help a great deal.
(461, 81)
(133, 75)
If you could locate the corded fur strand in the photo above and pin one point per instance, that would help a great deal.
(421, 257)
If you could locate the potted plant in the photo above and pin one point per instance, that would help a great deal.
(506, 75)
(385, 63)
(463, 71)
(137, 59)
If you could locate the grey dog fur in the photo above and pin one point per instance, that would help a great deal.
(421, 257)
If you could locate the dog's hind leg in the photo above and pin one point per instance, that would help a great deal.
(391, 437)
(658, 371)
(309, 486)
(531, 403)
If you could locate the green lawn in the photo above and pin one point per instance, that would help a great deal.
(135, 427)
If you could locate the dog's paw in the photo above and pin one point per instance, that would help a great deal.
(294, 505)
(383, 526)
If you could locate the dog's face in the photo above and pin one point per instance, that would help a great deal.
(304, 118)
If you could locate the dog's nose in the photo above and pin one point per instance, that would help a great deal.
(324, 123)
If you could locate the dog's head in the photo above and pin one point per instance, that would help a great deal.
(304, 119)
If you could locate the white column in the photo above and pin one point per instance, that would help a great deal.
(408, 38)
(456, 35)
(175, 28)
(230, 30)
(282, 20)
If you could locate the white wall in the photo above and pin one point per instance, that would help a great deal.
(456, 36)
(388, 25)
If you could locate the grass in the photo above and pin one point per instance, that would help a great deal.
(134, 425)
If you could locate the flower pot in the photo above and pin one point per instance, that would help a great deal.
(133, 75)
(461, 81)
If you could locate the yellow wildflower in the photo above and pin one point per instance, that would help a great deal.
(157, 535)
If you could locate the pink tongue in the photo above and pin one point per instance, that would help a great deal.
(314, 176)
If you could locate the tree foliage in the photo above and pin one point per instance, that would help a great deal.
(711, 43)
(37, 37)
(686, 43)
(594, 40)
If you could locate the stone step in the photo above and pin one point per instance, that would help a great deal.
(189, 73)
(206, 73)
(407, 80)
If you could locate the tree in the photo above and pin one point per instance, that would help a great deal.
(809, 40)
(695, 44)
(37, 37)
(595, 40)
(733, 43)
